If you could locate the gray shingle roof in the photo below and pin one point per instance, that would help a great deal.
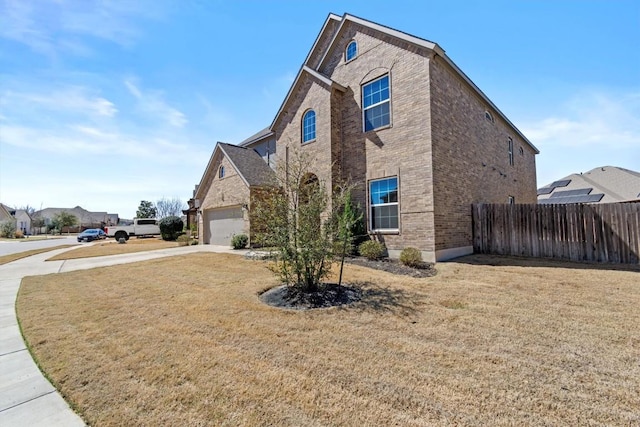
(249, 164)
(256, 137)
(612, 184)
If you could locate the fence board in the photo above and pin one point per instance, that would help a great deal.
(603, 232)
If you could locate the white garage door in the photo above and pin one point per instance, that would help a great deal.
(223, 224)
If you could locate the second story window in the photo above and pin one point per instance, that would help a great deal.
(221, 172)
(309, 126)
(376, 104)
(510, 148)
(351, 51)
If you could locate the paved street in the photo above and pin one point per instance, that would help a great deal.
(23, 245)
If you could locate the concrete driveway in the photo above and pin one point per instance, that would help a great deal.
(26, 397)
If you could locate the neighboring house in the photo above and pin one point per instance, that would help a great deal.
(391, 113)
(605, 184)
(5, 213)
(23, 221)
(85, 218)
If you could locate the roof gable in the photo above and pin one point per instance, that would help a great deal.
(324, 39)
(420, 42)
(4, 212)
(251, 168)
(249, 165)
(346, 19)
(313, 74)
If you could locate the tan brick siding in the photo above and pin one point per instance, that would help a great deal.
(444, 152)
(231, 190)
(403, 149)
(470, 157)
(311, 94)
(323, 43)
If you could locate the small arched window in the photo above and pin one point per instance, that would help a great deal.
(221, 172)
(488, 116)
(351, 51)
(309, 126)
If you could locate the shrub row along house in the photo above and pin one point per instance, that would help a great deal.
(391, 113)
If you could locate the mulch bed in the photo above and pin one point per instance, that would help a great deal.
(329, 295)
(332, 295)
(394, 266)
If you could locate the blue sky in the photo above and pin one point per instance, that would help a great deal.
(103, 104)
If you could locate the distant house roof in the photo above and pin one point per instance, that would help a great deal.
(84, 216)
(605, 184)
(5, 212)
(251, 167)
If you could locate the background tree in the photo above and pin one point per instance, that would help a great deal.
(146, 210)
(169, 207)
(64, 219)
(295, 218)
(37, 222)
(171, 227)
(30, 210)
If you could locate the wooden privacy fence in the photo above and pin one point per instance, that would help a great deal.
(578, 232)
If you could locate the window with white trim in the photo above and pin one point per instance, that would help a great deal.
(221, 172)
(383, 204)
(510, 148)
(309, 126)
(351, 51)
(511, 200)
(488, 116)
(376, 104)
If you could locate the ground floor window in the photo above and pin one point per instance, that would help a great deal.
(383, 204)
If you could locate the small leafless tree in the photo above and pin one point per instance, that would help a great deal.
(169, 207)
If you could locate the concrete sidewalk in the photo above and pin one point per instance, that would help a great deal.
(26, 396)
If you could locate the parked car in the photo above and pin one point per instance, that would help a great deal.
(91, 234)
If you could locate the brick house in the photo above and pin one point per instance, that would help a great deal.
(392, 113)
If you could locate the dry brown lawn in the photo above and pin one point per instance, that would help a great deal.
(5, 259)
(113, 248)
(186, 341)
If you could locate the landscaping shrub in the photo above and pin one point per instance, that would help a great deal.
(7, 228)
(371, 249)
(18, 234)
(239, 241)
(411, 257)
(184, 240)
(171, 227)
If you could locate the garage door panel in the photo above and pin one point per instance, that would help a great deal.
(223, 224)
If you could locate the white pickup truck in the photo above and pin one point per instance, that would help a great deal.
(140, 227)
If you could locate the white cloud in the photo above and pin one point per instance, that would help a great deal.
(74, 99)
(591, 119)
(55, 27)
(592, 129)
(152, 103)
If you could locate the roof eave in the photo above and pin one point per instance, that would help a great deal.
(233, 164)
(378, 27)
(253, 141)
(440, 52)
(312, 73)
(206, 171)
(331, 16)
